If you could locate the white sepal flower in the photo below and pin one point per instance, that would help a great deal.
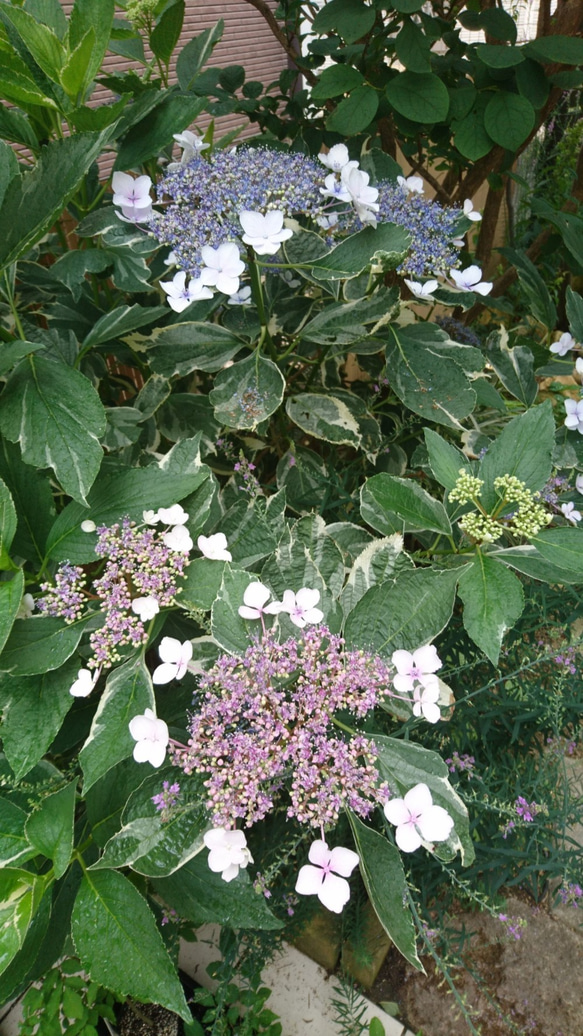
(175, 658)
(415, 667)
(362, 196)
(579, 365)
(326, 222)
(411, 184)
(170, 259)
(325, 875)
(26, 607)
(422, 291)
(214, 547)
(178, 539)
(417, 820)
(570, 513)
(84, 683)
(222, 267)
(470, 279)
(265, 234)
(241, 297)
(191, 143)
(334, 188)
(180, 294)
(227, 852)
(336, 158)
(578, 486)
(150, 517)
(301, 607)
(151, 737)
(175, 515)
(88, 525)
(563, 345)
(574, 418)
(425, 702)
(145, 608)
(470, 212)
(254, 598)
(133, 196)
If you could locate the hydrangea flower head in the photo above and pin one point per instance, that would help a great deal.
(228, 852)
(417, 819)
(325, 876)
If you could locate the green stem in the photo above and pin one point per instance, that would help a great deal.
(12, 304)
(343, 726)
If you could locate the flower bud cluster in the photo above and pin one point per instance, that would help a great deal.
(480, 527)
(466, 487)
(526, 520)
(66, 598)
(531, 516)
(265, 729)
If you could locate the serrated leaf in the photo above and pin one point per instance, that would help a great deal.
(41, 42)
(324, 417)
(493, 602)
(20, 894)
(183, 348)
(147, 138)
(249, 533)
(514, 367)
(415, 507)
(10, 597)
(528, 560)
(534, 287)
(74, 74)
(55, 414)
(118, 943)
(229, 630)
(121, 321)
(39, 644)
(7, 519)
(128, 693)
(14, 844)
(388, 242)
(50, 827)
(524, 449)
(200, 896)
(575, 313)
(440, 392)
(562, 547)
(95, 15)
(402, 613)
(248, 392)
(382, 871)
(380, 561)
(166, 33)
(194, 56)
(445, 460)
(34, 708)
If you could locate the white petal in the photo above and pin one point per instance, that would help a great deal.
(142, 751)
(230, 872)
(248, 613)
(313, 616)
(164, 673)
(396, 811)
(435, 825)
(215, 838)
(334, 893)
(170, 649)
(175, 515)
(343, 861)
(122, 183)
(431, 712)
(141, 727)
(309, 880)
(418, 799)
(426, 659)
(319, 853)
(403, 684)
(253, 223)
(307, 598)
(407, 838)
(219, 859)
(157, 753)
(402, 661)
(256, 595)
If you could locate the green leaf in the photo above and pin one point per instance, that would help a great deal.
(402, 613)
(50, 828)
(248, 392)
(470, 136)
(34, 710)
(194, 56)
(14, 844)
(378, 562)
(16, 976)
(527, 559)
(127, 491)
(96, 16)
(403, 497)
(35, 200)
(351, 19)
(166, 34)
(14, 351)
(134, 839)
(509, 119)
(41, 42)
(568, 224)
(173, 114)
(50, 13)
(228, 628)
(107, 798)
(436, 390)
(183, 348)
(121, 321)
(498, 23)
(421, 97)
(445, 460)
(404, 764)
(20, 894)
(493, 602)
(128, 692)
(202, 584)
(119, 945)
(14, 126)
(534, 287)
(7, 519)
(153, 848)
(17, 86)
(325, 417)
(382, 871)
(499, 56)
(10, 598)
(57, 416)
(532, 84)
(74, 74)
(524, 449)
(566, 50)
(574, 303)
(413, 48)
(407, 6)
(336, 80)
(355, 112)
(249, 534)
(514, 367)
(307, 556)
(387, 243)
(562, 547)
(72, 267)
(201, 896)
(33, 500)
(39, 644)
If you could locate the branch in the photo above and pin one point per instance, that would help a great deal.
(291, 51)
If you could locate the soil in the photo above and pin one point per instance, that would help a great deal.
(531, 986)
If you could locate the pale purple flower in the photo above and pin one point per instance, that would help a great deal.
(84, 683)
(470, 279)
(191, 143)
(333, 188)
(415, 667)
(264, 233)
(151, 737)
(417, 819)
(301, 607)
(222, 267)
(422, 291)
(145, 608)
(133, 196)
(180, 294)
(336, 158)
(574, 418)
(254, 598)
(411, 184)
(470, 212)
(563, 345)
(241, 297)
(227, 852)
(579, 365)
(570, 513)
(175, 658)
(325, 875)
(579, 484)
(425, 702)
(178, 539)
(214, 547)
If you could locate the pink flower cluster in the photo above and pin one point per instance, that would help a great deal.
(266, 723)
